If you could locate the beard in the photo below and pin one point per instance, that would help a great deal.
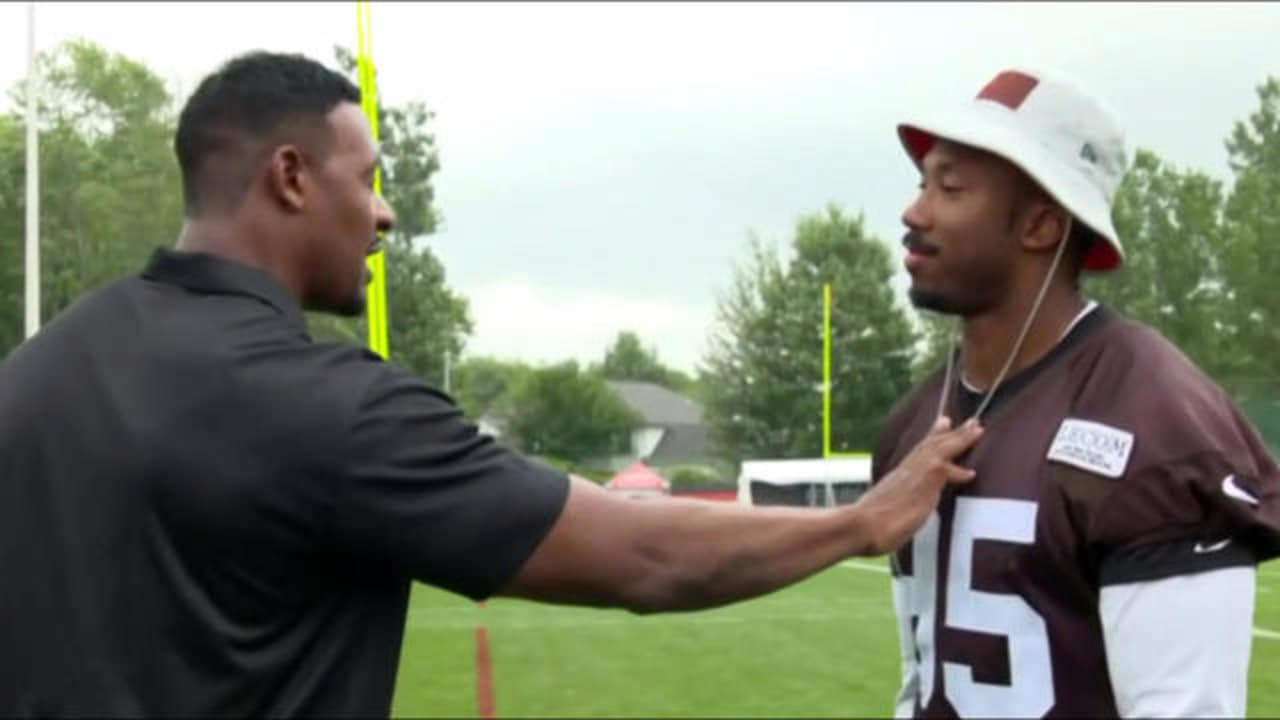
(933, 300)
(352, 309)
(970, 287)
(351, 303)
(357, 303)
(964, 294)
(946, 303)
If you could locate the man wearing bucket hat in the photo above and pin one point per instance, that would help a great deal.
(1102, 562)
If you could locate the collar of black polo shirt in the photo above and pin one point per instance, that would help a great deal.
(208, 273)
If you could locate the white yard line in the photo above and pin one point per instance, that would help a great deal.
(496, 625)
(1268, 634)
(858, 565)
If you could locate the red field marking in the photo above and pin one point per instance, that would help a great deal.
(485, 706)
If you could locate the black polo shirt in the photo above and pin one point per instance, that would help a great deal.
(204, 512)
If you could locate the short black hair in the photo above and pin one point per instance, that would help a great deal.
(238, 107)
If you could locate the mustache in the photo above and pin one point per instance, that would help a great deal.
(914, 242)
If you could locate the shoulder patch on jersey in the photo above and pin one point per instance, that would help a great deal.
(1092, 446)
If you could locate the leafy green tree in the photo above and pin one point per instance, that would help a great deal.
(1170, 223)
(563, 412)
(1252, 218)
(1250, 261)
(628, 358)
(484, 385)
(763, 373)
(109, 188)
(937, 333)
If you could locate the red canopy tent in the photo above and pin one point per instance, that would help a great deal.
(639, 479)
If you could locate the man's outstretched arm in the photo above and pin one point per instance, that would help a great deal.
(678, 554)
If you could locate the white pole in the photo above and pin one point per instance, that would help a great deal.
(448, 372)
(32, 277)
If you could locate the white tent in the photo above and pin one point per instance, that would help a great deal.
(807, 481)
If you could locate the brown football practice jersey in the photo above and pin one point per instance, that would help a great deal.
(1111, 460)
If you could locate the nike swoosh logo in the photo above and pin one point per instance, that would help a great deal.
(1232, 490)
(1201, 548)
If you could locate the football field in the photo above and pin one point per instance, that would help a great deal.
(824, 648)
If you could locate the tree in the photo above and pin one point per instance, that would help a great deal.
(426, 319)
(1252, 219)
(938, 333)
(12, 220)
(483, 385)
(561, 412)
(109, 190)
(763, 371)
(1251, 265)
(1170, 223)
(630, 359)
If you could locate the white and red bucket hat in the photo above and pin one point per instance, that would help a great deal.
(1061, 137)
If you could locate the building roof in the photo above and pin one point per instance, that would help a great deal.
(682, 443)
(657, 405)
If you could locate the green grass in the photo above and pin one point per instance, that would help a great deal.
(826, 647)
(1264, 670)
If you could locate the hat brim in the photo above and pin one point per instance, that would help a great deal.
(984, 130)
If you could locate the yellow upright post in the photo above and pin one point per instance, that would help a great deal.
(376, 303)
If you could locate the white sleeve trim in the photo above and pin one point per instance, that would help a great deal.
(1179, 646)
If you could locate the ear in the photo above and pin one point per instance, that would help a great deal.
(287, 177)
(1042, 227)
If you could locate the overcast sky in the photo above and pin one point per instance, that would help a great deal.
(604, 164)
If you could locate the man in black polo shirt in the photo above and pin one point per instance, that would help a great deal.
(206, 512)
